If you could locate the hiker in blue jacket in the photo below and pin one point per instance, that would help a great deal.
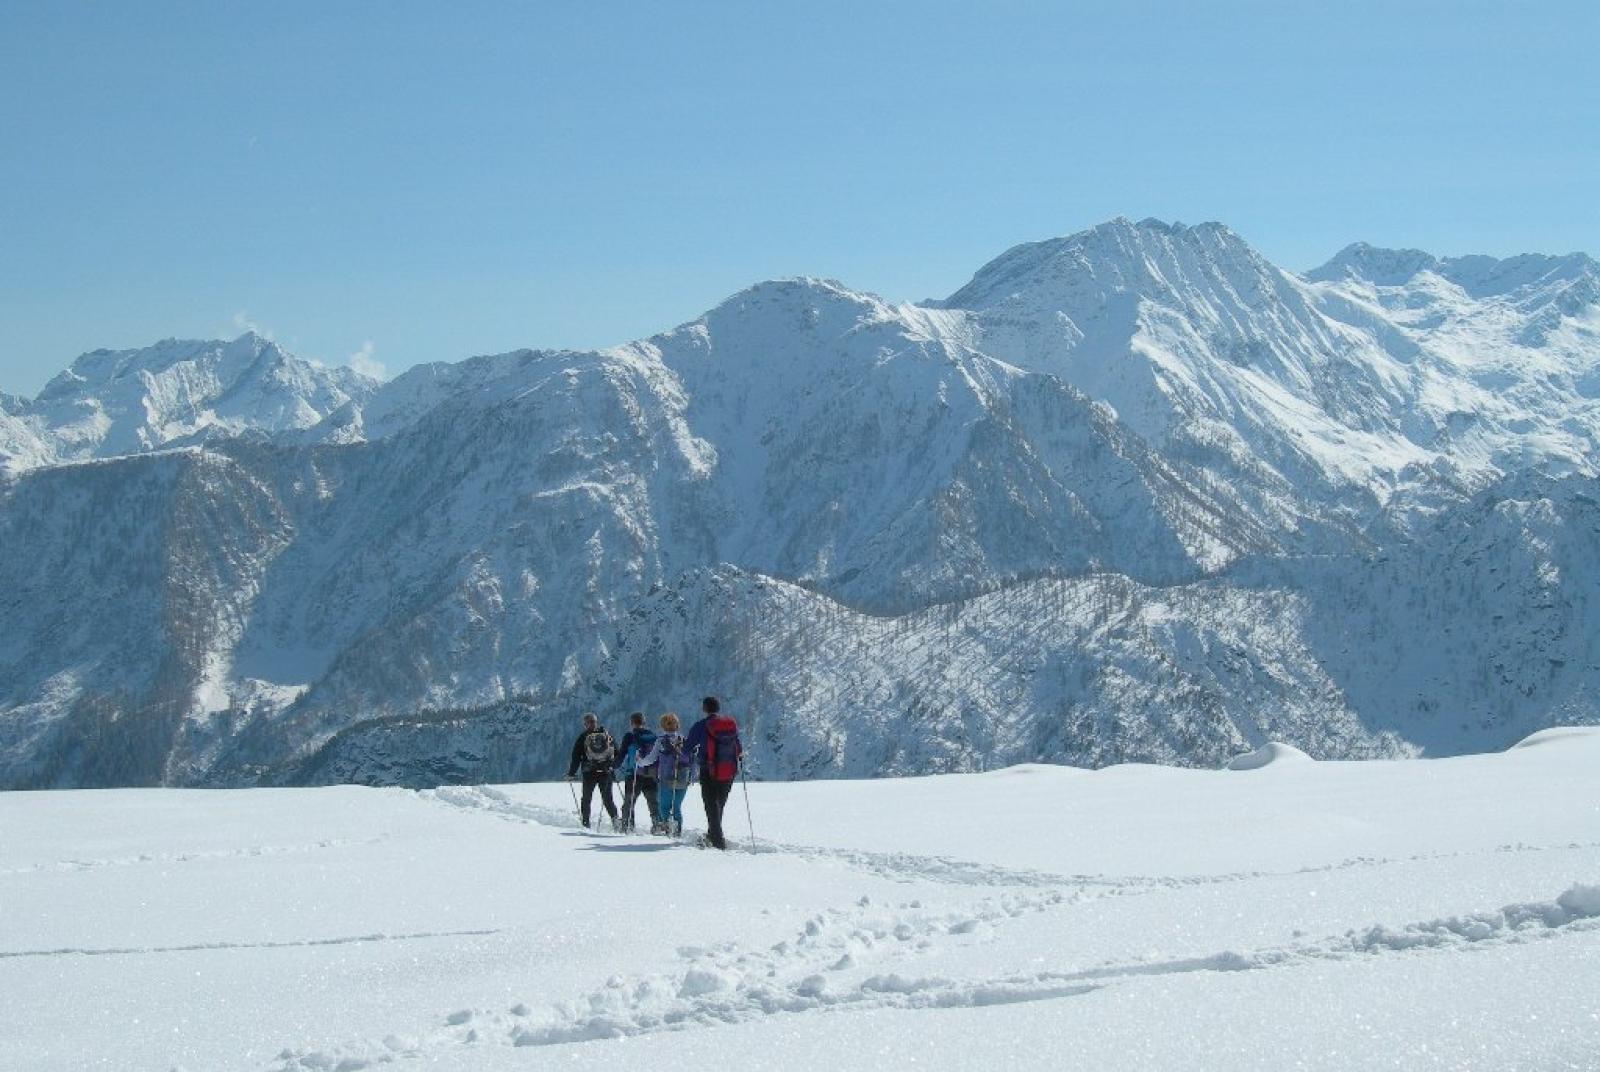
(637, 778)
(714, 742)
(673, 768)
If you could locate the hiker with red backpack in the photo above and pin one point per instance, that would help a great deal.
(673, 768)
(596, 752)
(714, 740)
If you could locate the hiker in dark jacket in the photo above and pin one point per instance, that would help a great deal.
(637, 777)
(596, 753)
(714, 741)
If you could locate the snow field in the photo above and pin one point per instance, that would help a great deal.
(1425, 914)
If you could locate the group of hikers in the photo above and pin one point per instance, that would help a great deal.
(659, 766)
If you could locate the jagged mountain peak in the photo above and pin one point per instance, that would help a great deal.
(1483, 276)
(1033, 521)
(178, 391)
(1149, 257)
(790, 322)
(811, 295)
(1479, 275)
(248, 352)
(1375, 264)
(99, 368)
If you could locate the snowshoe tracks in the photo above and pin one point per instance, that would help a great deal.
(829, 966)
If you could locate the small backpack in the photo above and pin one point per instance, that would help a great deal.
(598, 747)
(673, 768)
(642, 740)
(722, 748)
(639, 742)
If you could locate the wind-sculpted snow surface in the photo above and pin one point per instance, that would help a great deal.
(1438, 914)
(1131, 494)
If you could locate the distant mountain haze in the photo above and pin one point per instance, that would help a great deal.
(1131, 494)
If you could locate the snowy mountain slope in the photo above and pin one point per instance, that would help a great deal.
(114, 402)
(862, 449)
(1262, 463)
(480, 554)
(20, 448)
(1344, 385)
(579, 489)
(1205, 349)
(1479, 632)
(1095, 669)
(1425, 915)
(1533, 280)
(1505, 351)
(1473, 636)
(408, 397)
(134, 577)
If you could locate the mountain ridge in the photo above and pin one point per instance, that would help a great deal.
(855, 514)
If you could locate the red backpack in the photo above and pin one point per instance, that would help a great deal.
(722, 748)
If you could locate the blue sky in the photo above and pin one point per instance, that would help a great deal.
(428, 181)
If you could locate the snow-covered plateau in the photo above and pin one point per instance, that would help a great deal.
(1419, 914)
(1131, 494)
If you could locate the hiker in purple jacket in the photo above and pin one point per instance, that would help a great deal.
(673, 768)
(714, 742)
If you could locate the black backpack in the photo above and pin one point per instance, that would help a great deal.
(598, 748)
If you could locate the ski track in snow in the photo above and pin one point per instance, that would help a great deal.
(910, 867)
(832, 965)
(191, 856)
(894, 866)
(856, 958)
(195, 947)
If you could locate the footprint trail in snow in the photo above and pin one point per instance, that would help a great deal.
(866, 956)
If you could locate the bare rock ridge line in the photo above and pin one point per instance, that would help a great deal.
(1134, 494)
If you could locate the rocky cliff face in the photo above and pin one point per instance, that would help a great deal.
(1132, 494)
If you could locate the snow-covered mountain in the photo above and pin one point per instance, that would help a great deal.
(1378, 372)
(117, 402)
(1132, 494)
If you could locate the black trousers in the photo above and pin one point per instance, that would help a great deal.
(602, 778)
(715, 797)
(634, 788)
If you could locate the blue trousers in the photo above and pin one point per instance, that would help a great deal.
(671, 802)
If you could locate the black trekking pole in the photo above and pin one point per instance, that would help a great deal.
(696, 773)
(574, 791)
(745, 784)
